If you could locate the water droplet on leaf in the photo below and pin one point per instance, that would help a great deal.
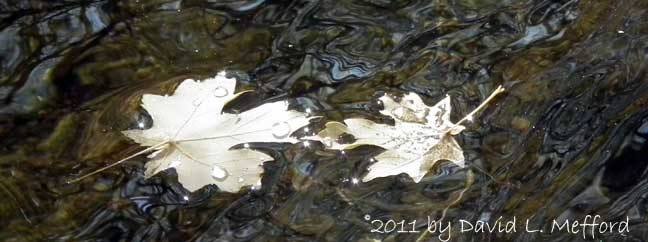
(219, 92)
(281, 130)
(218, 173)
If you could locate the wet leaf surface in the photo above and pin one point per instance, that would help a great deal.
(568, 138)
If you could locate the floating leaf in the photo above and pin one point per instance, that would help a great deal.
(191, 134)
(420, 136)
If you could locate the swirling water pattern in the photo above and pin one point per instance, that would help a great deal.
(568, 138)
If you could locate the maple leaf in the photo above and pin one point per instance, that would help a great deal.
(421, 136)
(191, 134)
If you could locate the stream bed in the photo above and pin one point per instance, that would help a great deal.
(566, 140)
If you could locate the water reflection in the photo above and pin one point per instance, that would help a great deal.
(568, 139)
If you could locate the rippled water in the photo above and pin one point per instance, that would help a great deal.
(567, 139)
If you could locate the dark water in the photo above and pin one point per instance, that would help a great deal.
(567, 139)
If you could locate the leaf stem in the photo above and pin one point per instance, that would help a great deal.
(470, 180)
(118, 162)
(481, 106)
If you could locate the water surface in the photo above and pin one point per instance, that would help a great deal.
(567, 139)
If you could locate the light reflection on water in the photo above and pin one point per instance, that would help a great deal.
(568, 139)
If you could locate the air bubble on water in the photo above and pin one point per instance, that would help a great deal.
(257, 185)
(306, 144)
(218, 173)
(281, 130)
(354, 180)
(219, 92)
(470, 118)
(246, 145)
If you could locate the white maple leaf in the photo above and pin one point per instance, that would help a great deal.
(421, 136)
(191, 134)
